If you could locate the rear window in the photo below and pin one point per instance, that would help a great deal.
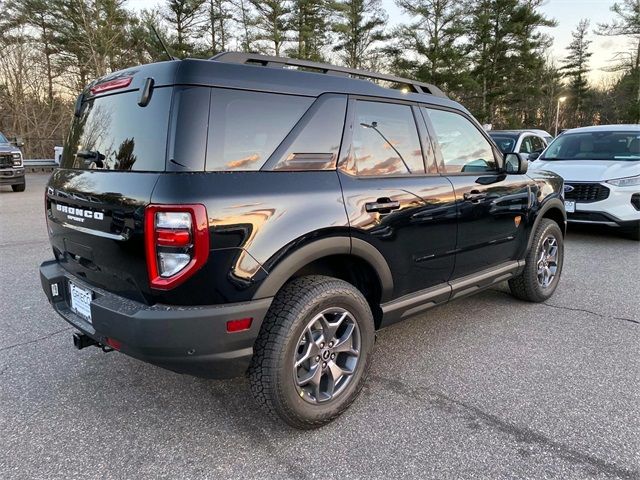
(246, 127)
(618, 145)
(114, 133)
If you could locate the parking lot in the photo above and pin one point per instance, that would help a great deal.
(486, 387)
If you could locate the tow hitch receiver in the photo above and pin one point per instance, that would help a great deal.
(80, 341)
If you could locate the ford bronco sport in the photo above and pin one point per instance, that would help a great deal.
(262, 215)
(11, 164)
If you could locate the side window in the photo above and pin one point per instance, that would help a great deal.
(385, 140)
(464, 149)
(527, 145)
(314, 143)
(246, 127)
(538, 144)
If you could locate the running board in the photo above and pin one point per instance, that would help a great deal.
(415, 303)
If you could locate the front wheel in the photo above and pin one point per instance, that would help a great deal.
(543, 267)
(20, 187)
(312, 355)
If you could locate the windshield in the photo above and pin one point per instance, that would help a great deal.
(3, 139)
(595, 146)
(505, 144)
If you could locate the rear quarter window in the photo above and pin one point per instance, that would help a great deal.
(114, 133)
(246, 127)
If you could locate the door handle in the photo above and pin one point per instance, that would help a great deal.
(474, 196)
(382, 205)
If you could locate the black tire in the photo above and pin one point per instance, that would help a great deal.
(527, 286)
(272, 373)
(19, 187)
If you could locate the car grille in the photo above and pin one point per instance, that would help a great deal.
(586, 192)
(6, 161)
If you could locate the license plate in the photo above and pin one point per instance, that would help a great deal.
(81, 301)
(569, 206)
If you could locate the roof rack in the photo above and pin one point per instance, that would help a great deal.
(280, 62)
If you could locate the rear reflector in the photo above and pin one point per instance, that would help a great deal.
(239, 325)
(111, 85)
(113, 343)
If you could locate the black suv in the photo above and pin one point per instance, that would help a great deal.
(262, 215)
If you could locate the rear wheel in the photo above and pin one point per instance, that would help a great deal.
(312, 355)
(19, 187)
(543, 267)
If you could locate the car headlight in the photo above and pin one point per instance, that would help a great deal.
(625, 182)
(17, 159)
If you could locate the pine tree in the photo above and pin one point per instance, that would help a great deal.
(359, 26)
(309, 27)
(217, 26)
(272, 22)
(184, 18)
(246, 20)
(429, 48)
(576, 69)
(39, 15)
(626, 24)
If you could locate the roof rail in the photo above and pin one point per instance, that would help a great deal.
(279, 62)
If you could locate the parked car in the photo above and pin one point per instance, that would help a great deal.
(11, 164)
(601, 169)
(529, 142)
(233, 217)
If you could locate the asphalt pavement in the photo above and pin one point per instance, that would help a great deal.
(485, 387)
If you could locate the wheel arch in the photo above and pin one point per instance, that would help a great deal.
(349, 259)
(552, 209)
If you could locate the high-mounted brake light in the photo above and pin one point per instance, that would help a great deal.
(111, 85)
(176, 243)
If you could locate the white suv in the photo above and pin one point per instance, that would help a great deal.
(601, 169)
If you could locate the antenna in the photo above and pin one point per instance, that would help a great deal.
(171, 57)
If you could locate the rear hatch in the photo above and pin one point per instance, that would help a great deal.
(96, 200)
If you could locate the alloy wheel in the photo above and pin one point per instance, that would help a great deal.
(548, 261)
(327, 355)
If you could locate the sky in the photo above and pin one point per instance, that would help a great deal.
(567, 13)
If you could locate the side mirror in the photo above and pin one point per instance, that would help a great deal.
(17, 141)
(533, 156)
(515, 164)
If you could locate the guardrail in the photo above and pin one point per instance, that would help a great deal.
(39, 164)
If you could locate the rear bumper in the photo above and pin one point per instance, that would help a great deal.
(11, 176)
(191, 340)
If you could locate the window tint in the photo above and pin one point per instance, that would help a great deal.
(463, 147)
(527, 145)
(505, 144)
(538, 144)
(317, 137)
(114, 133)
(246, 127)
(385, 140)
(189, 123)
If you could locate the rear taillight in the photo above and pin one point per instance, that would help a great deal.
(176, 242)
